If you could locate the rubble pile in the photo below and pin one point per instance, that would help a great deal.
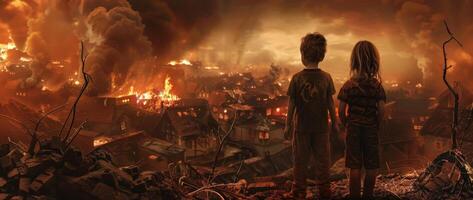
(57, 171)
(449, 176)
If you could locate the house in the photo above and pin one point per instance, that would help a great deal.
(138, 148)
(254, 130)
(399, 137)
(190, 125)
(277, 107)
(437, 132)
(104, 115)
(437, 129)
(257, 130)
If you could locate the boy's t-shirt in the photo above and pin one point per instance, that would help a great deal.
(362, 96)
(310, 90)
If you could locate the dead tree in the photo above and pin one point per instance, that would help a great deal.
(449, 86)
(72, 113)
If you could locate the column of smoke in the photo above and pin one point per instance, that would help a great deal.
(127, 34)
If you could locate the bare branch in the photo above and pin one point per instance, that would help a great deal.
(34, 138)
(227, 133)
(72, 112)
(71, 139)
(451, 34)
(449, 86)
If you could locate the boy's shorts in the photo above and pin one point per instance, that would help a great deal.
(362, 148)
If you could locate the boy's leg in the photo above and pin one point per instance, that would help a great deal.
(321, 146)
(353, 160)
(301, 155)
(355, 184)
(370, 160)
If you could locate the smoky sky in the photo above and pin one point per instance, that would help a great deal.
(408, 34)
(235, 34)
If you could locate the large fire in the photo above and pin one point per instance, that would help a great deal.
(150, 98)
(4, 48)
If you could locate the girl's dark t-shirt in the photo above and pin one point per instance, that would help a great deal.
(362, 96)
(310, 90)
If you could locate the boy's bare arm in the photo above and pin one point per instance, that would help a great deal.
(290, 114)
(333, 115)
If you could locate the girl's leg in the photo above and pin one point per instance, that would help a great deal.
(355, 184)
(370, 160)
(353, 160)
(370, 181)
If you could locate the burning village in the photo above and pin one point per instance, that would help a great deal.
(207, 99)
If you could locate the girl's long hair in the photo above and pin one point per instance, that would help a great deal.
(364, 61)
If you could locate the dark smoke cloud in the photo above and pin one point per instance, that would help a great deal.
(175, 26)
(119, 45)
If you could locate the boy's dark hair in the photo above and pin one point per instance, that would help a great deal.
(313, 47)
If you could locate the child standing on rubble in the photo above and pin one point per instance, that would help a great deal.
(310, 93)
(362, 97)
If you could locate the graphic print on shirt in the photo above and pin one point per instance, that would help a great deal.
(309, 92)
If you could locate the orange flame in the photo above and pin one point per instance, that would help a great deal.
(151, 98)
(166, 96)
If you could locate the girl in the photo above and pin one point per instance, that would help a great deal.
(361, 109)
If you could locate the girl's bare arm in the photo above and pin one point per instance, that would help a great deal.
(381, 112)
(342, 112)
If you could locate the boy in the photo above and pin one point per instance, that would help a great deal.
(310, 100)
